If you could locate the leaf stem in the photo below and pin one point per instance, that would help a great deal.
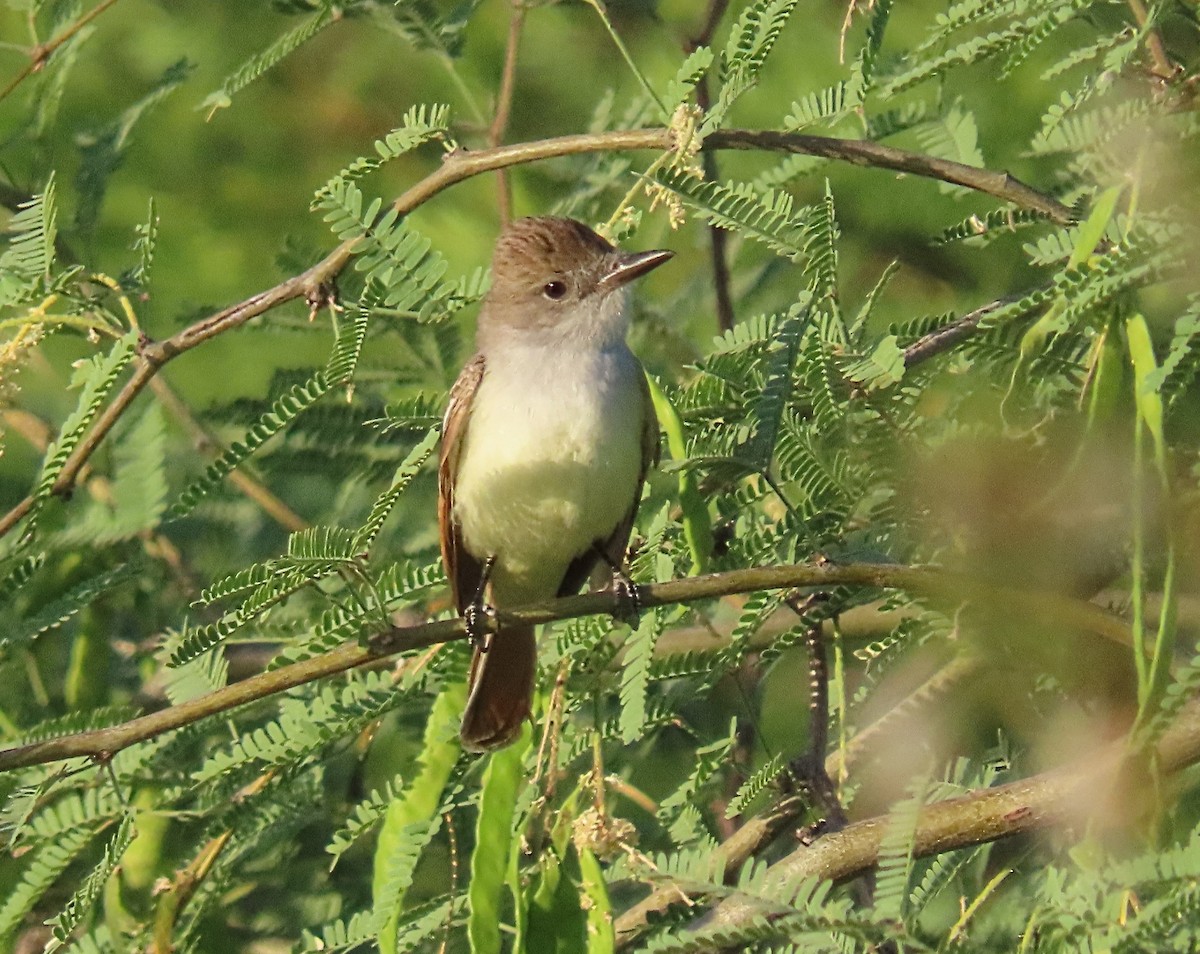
(616, 38)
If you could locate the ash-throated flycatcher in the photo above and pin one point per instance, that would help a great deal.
(546, 442)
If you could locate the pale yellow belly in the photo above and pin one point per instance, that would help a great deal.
(545, 473)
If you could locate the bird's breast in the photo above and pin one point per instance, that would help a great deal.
(550, 462)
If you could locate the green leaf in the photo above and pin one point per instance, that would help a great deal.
(419, 125)
(95, 378)
(40, 869)
(103, 151)
(750, 43)
(601, 939)
(494, 843)
(32, 231)
(765, 409)
(690, 72)
(259, 63)
(284, 410)
(765, 217)
(62, 608)
(882, 368)
(408, 469)
(412, 819)
(892, 889)
(80, 904)
(697, 525)
(362, 818)
(635, 674)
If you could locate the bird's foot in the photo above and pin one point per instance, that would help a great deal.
(478, 617)
(627, 602)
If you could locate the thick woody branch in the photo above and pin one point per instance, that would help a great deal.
(927, 581)
(464, 165)
(1069, 795)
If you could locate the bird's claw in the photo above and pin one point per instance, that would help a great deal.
(627, 602)
(478, 617)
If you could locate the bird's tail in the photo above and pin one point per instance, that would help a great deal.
(500, 689)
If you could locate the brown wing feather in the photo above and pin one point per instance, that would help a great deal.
(618, 541)
(463, 570)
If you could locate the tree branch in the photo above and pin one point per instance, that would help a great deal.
(504, 99)
(1163, 67)
(1071, 794)
(717, 235)
(463, 165)
(928, 581)
(40, 54)
(946, 337)
(202, 440)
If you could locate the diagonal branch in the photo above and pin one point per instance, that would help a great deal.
(1068, 795)
(40, 54)
(928, 581)
(464, 165)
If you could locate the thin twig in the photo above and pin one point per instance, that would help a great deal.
(188, 879)
(948, 677)
(944, 338)
(863, 152)
(810, 768)
(936, 584)
(1164, 67)
(717, 237)
(754, 835)
(271, 505)
(41, 53)
(464, 165)
(504, 100)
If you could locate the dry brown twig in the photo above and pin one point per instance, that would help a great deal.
(938, 585)
(463, 165)
(40, 55)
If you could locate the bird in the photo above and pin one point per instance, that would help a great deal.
(548, 435)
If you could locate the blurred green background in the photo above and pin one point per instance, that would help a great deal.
(233, 187)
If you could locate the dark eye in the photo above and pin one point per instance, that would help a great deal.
(554, 290)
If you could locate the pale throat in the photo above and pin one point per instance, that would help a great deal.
(551, 457)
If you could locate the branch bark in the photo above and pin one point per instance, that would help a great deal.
(40, 54)
(1072, 794)
(1068, 795)
(463, 165)
(928, 581)
(946, 337)
(508, 81)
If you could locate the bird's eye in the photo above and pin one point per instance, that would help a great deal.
(554, 290)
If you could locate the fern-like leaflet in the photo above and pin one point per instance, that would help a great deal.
(419, 125)
(264, 60)
(284, 410)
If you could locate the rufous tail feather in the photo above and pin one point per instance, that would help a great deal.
(500, 689)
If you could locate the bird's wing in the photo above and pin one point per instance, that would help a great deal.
(463, 570)
(615, 545)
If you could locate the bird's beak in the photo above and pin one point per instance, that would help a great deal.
(626, 267)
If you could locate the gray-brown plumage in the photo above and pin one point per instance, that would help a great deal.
(547, 439)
